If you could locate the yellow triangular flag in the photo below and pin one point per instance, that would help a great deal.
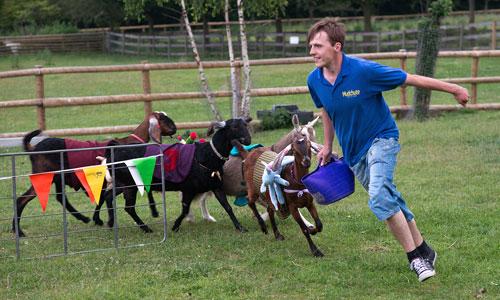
(95, 178)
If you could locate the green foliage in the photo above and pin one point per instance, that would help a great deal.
(19, 14)
(280, 118)
(427, 51)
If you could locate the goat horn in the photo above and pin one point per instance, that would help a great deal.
(313, 122)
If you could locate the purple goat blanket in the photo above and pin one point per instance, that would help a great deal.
(177, 160)
(84, 158)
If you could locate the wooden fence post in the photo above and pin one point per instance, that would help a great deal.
(493, 35)
(146, 87)
(402, 61)
(40, 95)
(474, 71)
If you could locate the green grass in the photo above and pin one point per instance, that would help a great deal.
(448, 171)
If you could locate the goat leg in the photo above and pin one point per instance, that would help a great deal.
(21, 202)
(204, 209)
(295, 213)
(262, 223)
(221, 197)
(187, 198)
(152, 205)
(314, 214)
(277, 234)
(59, 196)
(130, 195)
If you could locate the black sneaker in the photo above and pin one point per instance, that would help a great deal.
(431, 258)
(423, 268)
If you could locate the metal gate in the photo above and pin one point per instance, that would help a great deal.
(55, 232)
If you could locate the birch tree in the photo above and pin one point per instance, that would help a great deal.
(245, 101)
(235, 86)
(203, 78)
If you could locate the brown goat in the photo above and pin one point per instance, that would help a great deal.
(153, 126)
(296, 195)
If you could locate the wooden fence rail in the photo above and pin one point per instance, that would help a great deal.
(147, 97)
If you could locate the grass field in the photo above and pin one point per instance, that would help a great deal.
(448, 171)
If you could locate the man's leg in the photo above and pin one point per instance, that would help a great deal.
(415, 233)
(401, 230)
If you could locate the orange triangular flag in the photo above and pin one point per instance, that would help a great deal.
(42, 184)
(83, 181)
(95, 178)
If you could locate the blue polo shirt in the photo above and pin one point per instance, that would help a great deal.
(355, 103)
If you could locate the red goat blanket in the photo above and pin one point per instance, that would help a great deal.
(84, 158)
(177, 160)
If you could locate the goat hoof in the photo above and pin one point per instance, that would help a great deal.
(21, 233)
(85, 220)
(242, 229)
(111, 223)
(280, 237)
(146, 229)
(210, 219)
(175, 229)
(98, 222)
(318, 253)
(155, 214)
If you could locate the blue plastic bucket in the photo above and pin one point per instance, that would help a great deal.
(331, 182)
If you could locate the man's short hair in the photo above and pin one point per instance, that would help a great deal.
(333, 29)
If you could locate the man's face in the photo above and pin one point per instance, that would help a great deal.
(322, 51)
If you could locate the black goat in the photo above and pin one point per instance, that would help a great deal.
(154, 126)
(204, 175)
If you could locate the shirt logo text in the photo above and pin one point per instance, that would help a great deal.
(351, 93)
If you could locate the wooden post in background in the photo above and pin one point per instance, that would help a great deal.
(40, 95)
(146, 87)
(474, 71)
(493, 35)
(402, 61)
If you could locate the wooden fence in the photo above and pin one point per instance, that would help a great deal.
(91, 41)
(294, 44)
(41, 102)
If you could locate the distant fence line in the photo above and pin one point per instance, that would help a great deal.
(41, 102)
(260, 44)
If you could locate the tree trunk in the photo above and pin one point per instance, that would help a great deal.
(279, 33)
(203, 78)
(472, 19)
(427, 51)
(245, 103)
(235, 85)
(367, 22)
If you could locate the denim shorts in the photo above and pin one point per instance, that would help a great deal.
(375, 171)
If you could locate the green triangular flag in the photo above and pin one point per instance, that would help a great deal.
(146, 167)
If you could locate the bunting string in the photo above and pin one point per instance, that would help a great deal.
(71, 170)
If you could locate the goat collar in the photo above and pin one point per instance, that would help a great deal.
(217, 152)
(135, 136)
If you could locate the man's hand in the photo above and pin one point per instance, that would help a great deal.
(461, 95)
(325, 155)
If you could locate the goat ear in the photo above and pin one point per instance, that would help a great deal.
(248, 120)
(210, 129)
(219, 125)
(154, 130)
(296, 122)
